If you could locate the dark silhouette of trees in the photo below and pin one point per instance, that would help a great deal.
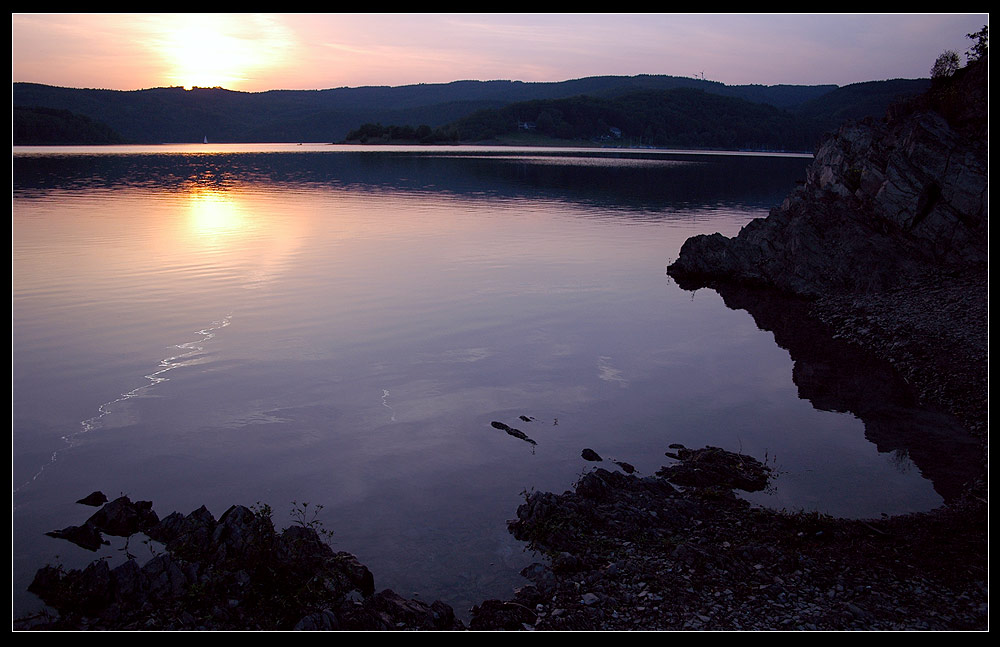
(982, 45)
(945, 65)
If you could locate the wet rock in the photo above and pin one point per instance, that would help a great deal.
(594, 485)
(590, 455)
(399, 612)
(493, 615)
(94, 499)
(516, 433)
(85, 536)
(129, 584)
(713, 466)
(88, 590)
(124, 518)
(165, 577)
(186, 536)
(240, 575)
(241, 535)
(325, 620)
(628, 468)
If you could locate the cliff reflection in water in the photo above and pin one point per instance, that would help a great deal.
(834, 375)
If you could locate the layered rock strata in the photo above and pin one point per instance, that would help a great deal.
(884, 203)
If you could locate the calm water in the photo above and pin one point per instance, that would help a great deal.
(340, 326)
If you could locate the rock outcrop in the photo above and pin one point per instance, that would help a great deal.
(887, 238)
(680, 551)
(234, 573)
(884, 203)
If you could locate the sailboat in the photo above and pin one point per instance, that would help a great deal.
(206, 140)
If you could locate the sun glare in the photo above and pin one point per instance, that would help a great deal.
(225, 51)
(214, 213)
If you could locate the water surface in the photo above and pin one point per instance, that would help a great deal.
(340, 325)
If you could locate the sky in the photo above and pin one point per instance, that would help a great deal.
(258, 52)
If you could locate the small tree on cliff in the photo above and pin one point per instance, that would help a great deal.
(945, 65)
(981, 48)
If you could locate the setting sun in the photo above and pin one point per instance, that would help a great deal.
(223, 51)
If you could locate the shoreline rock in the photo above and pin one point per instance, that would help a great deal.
(237, 573)
(887, 241)
(629, 553)
(884, 204)
(886, 245)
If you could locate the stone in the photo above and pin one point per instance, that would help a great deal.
(516, 433)
(493, 615)
(94, 499)
(124, 518)
(713, 466)
(628, 468)
(85, 536)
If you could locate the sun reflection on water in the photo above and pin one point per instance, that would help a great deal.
(215, 212)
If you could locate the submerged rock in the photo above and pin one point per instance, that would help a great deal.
(516, 433)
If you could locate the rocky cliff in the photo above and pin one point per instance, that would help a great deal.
(884, 203)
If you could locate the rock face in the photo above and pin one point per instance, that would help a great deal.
(887, 239)
(883, 203)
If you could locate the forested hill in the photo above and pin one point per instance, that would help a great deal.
(683, 118)
(161, 115)
(859, 100)
(32, 126)
(176, 115)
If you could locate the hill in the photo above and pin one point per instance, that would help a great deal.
(34, 125)
(859, 100)
(683, 117)
(169, 115)
(159, 115)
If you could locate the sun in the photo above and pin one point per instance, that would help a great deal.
(199, 53)
(227, 51)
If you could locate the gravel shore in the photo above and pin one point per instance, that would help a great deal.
(641, 554)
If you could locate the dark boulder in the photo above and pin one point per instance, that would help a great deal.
(94, 499)
(715, 467)
(496, 615)
(85, 536)
(124, 518)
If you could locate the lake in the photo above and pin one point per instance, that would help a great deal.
(340, 326)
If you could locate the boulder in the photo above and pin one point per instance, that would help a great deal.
(123, 518)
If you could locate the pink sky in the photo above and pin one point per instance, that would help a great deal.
(256, 52)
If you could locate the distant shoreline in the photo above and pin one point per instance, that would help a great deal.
(267, 147)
